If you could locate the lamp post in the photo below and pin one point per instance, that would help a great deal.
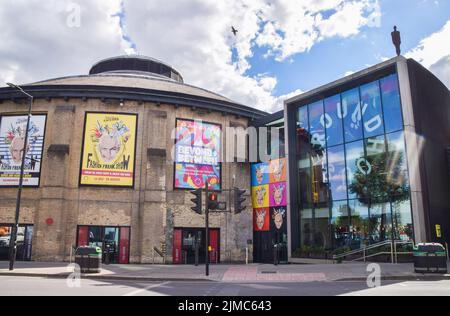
(13, 237)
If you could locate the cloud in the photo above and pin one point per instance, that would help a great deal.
(433, 52)
(39, 39)
(194, 36)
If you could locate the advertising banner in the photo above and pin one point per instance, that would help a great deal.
(12, 139)
(261, 220)
(260, 174)
(277, 170)
(108, 154)
(260, 196)
(197, 155)
(277, 194)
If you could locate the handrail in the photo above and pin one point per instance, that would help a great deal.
(374, 246)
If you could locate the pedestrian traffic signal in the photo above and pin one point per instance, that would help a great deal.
(239, 200)
(197, 200)
(212, 201)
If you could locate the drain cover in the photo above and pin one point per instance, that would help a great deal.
(269, 272)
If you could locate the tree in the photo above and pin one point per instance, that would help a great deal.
(381, 179)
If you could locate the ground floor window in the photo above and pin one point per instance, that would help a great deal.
(24, 242)
(114, 242)
(189, 245)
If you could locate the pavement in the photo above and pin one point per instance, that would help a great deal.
(259, 273)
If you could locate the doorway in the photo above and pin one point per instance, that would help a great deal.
(24, 242)
(114, 242)
(187, 241)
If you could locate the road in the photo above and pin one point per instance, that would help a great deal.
(23, 286)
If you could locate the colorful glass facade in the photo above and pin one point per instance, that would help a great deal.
(352, 170)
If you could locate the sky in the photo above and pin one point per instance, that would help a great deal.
(282, 48)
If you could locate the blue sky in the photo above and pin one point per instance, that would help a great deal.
(283, 48)
(333, 58)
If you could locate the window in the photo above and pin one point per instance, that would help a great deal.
(333, 121)
(336, 173)
(371, 109)
(391, 104)
(352, 169)
(351, 112)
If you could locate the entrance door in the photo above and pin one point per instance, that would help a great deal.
(187, 240)
(24, 242)
(114, 241)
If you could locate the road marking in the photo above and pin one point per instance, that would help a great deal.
(147, 290)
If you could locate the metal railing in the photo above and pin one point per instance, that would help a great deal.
(367, 251)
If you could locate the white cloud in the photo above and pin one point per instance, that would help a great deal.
(194, 36)
(37, 42)
(433, 53)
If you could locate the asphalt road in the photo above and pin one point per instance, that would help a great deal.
(15, 286)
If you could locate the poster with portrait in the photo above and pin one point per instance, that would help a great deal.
(260, 196)
(277, 170)
(260, 174)
(197, 155)
(277, 194)
(12, 139)
(108, 153)
(278, 219)
(261, 220)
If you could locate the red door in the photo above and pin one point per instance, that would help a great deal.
(177, 245)
(124, 245)
(83, 236)
(214, 254)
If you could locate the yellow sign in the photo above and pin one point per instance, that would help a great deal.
(438, 231)
(108, 156)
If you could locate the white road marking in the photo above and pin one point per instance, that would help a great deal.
(147, 289)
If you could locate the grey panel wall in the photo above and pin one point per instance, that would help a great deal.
(431, 105)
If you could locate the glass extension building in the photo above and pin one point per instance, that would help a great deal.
(367, 161)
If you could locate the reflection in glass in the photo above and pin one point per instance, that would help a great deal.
(397, 170)
(319, 176)
(305, 181)
(359, 231)
(401, 213)
(390, 93)
(375, 185)
(317, 129)
(380, 222)
(353, 179)
(356, 168)
(337, 174)
(351, 112)
(371, 109)
(303, 118)
(307, 227)
(339, 223)
(333, 121)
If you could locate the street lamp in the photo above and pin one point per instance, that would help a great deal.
(13, 237)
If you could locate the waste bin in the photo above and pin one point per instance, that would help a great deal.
(430, 258)
(89, 259)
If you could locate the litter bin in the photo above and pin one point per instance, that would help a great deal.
(430, 258)
(89, 259)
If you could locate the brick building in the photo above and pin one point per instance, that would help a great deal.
(135, 214)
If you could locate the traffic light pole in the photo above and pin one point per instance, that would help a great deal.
(207, 228)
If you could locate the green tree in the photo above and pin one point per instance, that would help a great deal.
(381, 179)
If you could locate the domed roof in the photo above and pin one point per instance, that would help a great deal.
(136, 64)
(135, 78)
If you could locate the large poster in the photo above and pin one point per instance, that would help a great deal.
(12, 139)
(109, 146)
(269, 195)
(197, 155)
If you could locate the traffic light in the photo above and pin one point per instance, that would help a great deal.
(238, 200)
(197, 200)
(212, 202)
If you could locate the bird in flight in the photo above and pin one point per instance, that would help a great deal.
(234, 31)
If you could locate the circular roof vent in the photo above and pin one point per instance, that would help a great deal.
(136, 64)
